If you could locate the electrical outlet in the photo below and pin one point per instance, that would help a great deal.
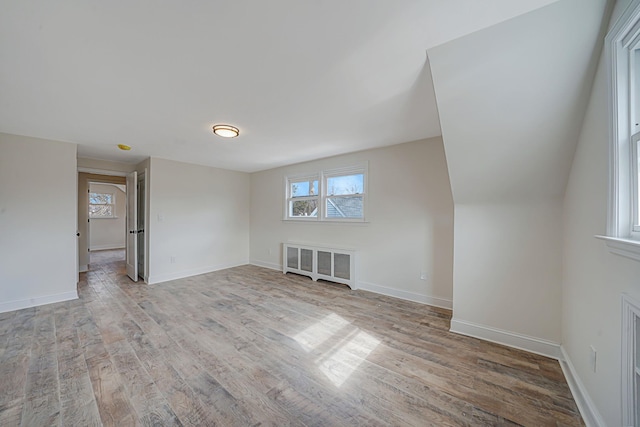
(173, 260)
(593, 358)
(270, 251)
(423, 275)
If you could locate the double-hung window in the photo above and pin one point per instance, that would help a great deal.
(623, 56)
(328, 195)
(302, 197)
(101, 205)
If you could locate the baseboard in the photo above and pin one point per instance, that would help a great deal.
(160, 278)
(83, 268)
(409, 296)
(588, 410)
(510, 339)
(34, 302)
(266, 264)
(105, 247)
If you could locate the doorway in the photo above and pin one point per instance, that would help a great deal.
(88, 251)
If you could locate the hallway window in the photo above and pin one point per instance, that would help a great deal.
(101, 205)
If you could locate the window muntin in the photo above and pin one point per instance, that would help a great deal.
(101, 205)
(330, 195)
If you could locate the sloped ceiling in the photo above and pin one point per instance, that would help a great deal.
(511, 100)
(301, 79)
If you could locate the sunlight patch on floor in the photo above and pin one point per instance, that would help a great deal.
(320, 331)
(341, 361)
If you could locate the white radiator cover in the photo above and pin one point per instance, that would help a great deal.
(318, 262)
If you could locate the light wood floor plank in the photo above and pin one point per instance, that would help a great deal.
(251, 346)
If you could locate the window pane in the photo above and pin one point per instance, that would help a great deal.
(344, 207)
(100, 198)
(100, 210)
(300, 208)
(304, 188)
(346, 184)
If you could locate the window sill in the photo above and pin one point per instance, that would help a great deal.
(624, 247)
(332, 221)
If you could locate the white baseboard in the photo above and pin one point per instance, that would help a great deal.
(152, 280)
(266, 264)
(409, 296)
(83, 268)
(588, 410)
(105, 247)
(510, 339)
(34, 302)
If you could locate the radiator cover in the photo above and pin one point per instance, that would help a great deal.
(318, 262)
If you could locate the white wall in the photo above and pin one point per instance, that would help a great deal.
(594, 279)
(38, 240)
(199, 219)
(109, 233)
(508, 270)
(409, 213)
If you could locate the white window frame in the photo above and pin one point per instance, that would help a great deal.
(623, 235)
(288, 198)
(113, 206)
(333, 173)
(321, 177)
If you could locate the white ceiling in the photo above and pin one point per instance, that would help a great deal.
(301, 79)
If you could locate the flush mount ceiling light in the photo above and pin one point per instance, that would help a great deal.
(124, 147)
(226, 131)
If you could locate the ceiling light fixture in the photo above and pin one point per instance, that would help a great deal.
(124, 147)
(226, 131)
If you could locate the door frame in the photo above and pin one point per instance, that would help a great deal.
(145, 218)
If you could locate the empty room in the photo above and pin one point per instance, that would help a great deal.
(320, 213)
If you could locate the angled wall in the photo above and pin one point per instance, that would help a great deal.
(511, 99)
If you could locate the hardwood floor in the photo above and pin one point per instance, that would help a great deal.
(251, 346)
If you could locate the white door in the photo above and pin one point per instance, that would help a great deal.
(132, 226)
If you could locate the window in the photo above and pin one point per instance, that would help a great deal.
(623, 55)
(344, 196)
(330, 195)
(302, 199)
(101, 205)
